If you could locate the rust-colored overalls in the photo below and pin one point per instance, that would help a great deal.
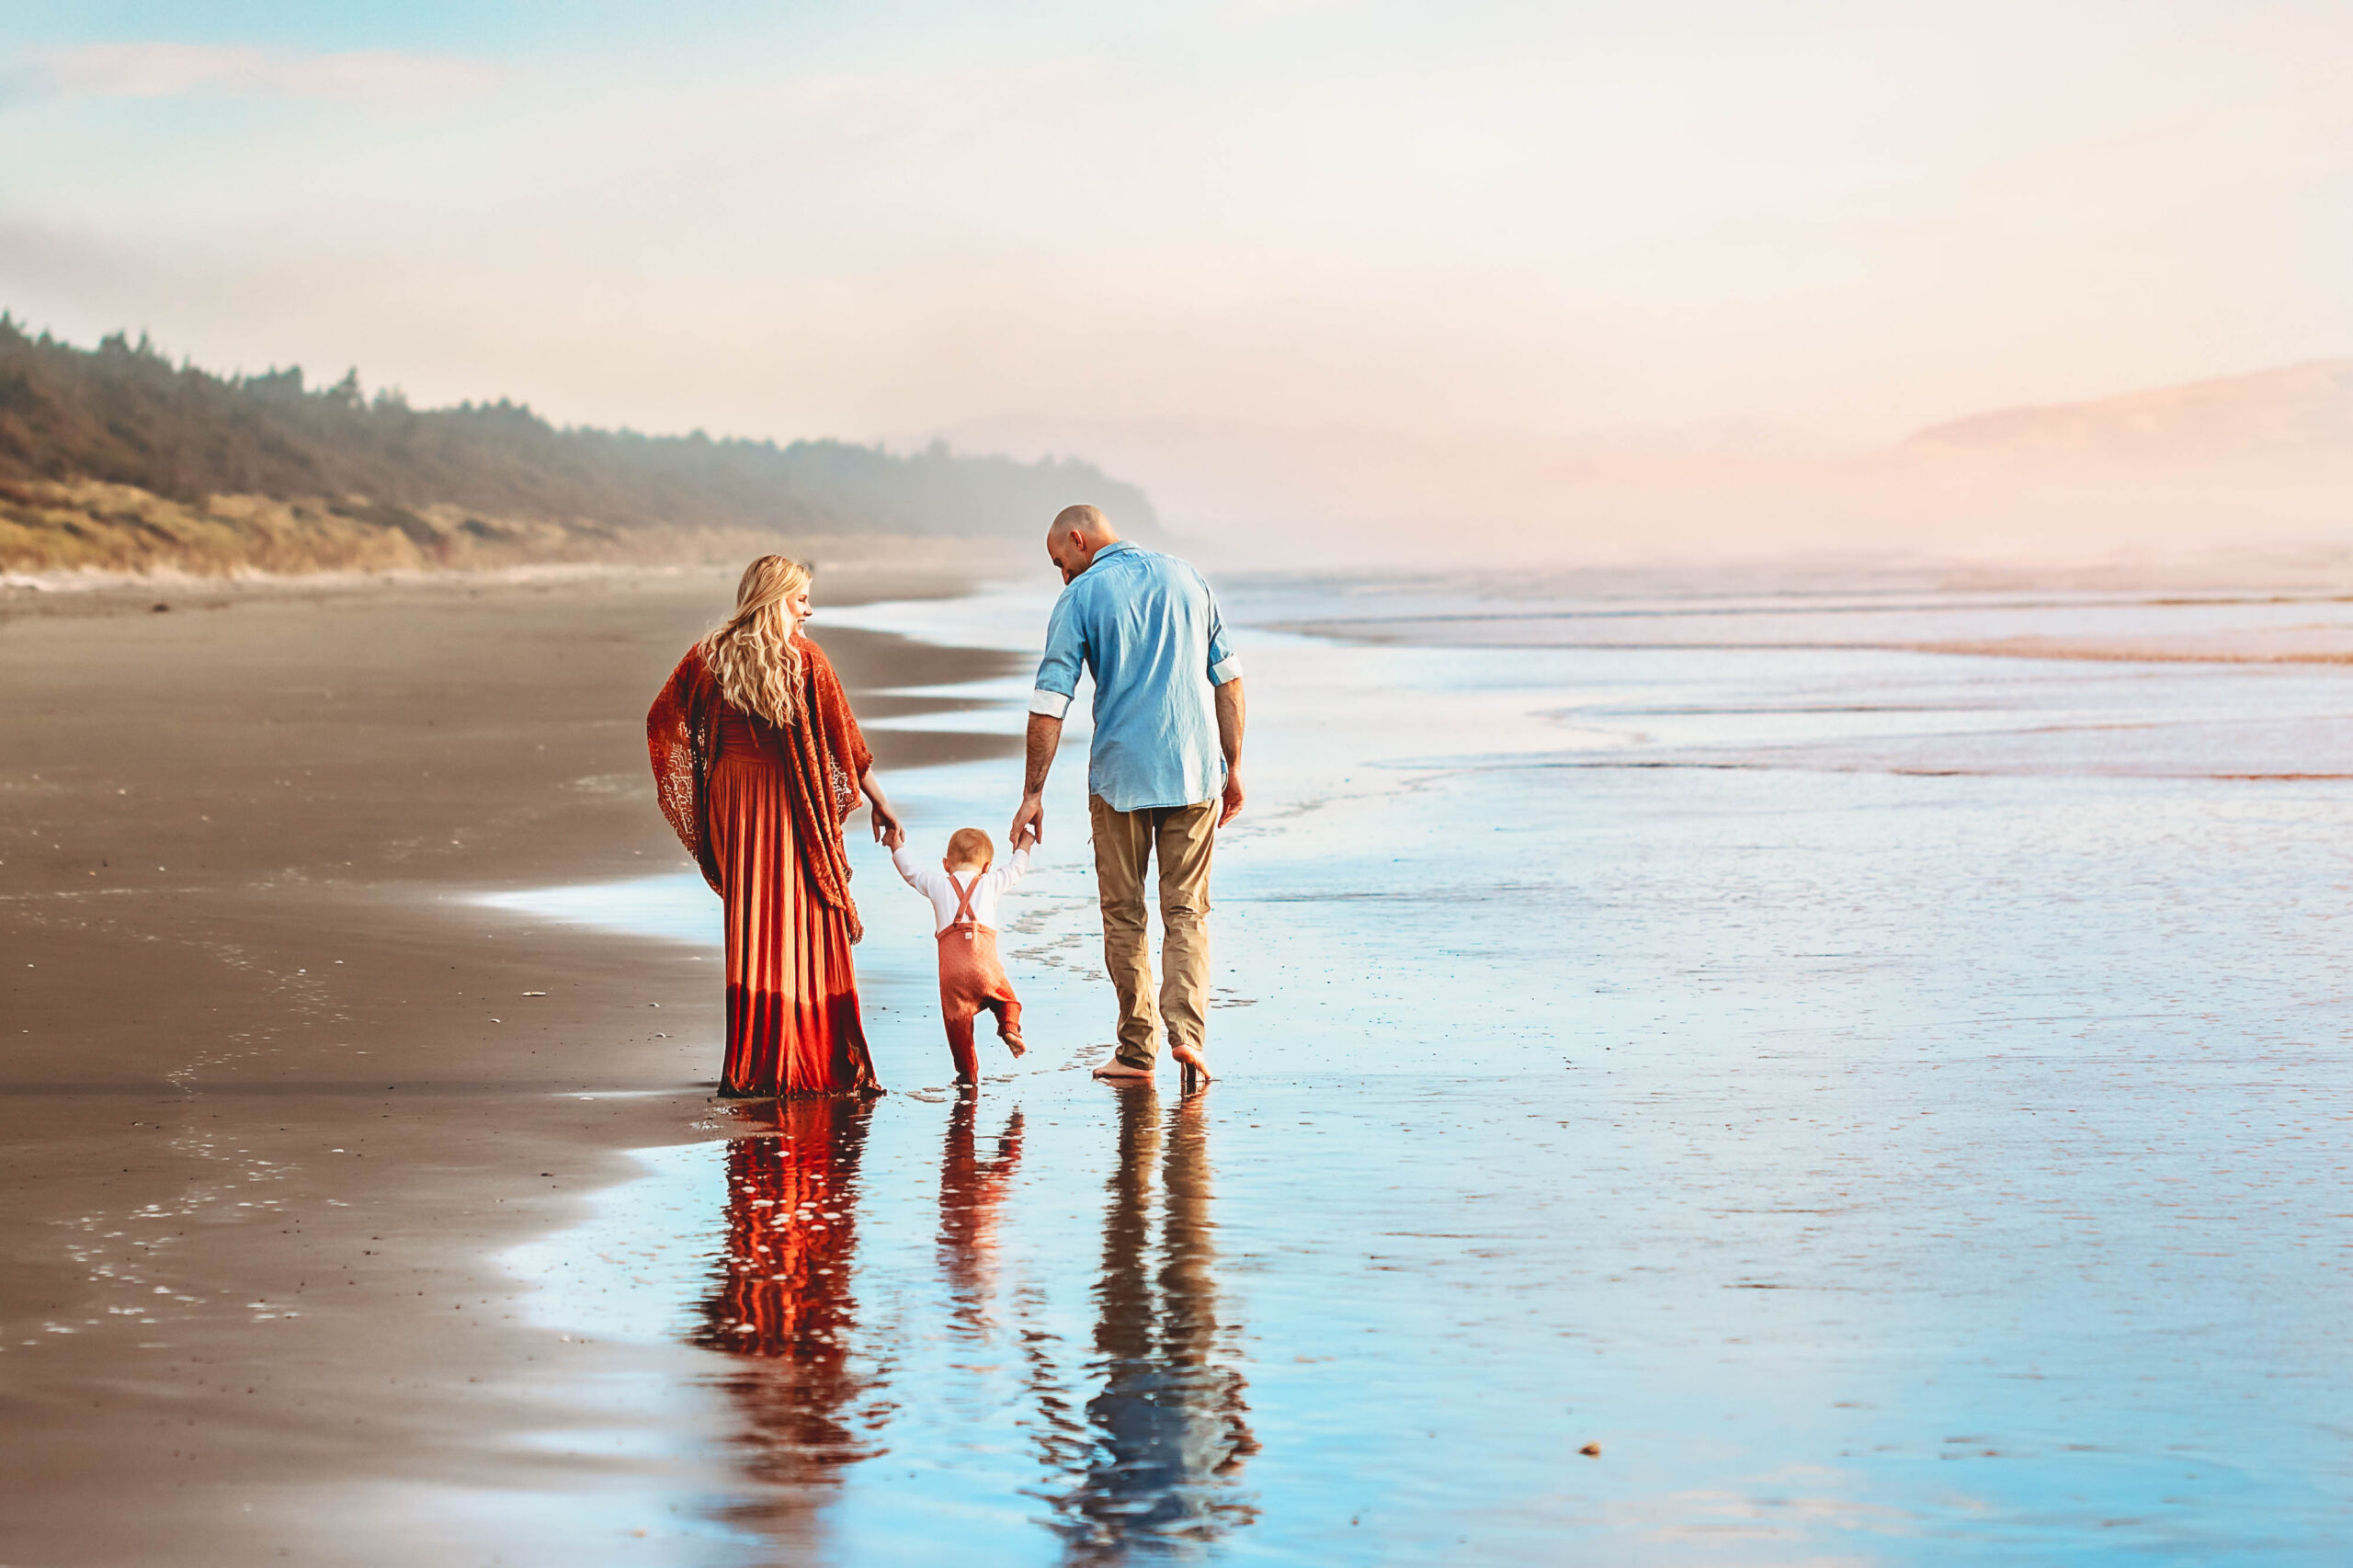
(972, 980)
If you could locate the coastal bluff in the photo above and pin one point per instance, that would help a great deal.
(117, 460)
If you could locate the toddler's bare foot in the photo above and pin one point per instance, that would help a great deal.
(1014, 1043)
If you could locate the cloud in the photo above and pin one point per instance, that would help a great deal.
(157, 70)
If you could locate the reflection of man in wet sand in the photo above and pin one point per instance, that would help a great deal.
(1170, 1428)
(1163, 775)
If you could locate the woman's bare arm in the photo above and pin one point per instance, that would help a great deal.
(886, 820)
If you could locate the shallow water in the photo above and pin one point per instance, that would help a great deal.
(1892, 1103)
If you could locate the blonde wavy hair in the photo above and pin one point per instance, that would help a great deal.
(750, 653)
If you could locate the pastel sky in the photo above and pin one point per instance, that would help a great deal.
(1802, 226)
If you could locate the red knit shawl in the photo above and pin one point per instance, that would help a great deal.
(825, 756)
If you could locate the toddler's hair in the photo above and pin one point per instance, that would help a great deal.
(971, 847)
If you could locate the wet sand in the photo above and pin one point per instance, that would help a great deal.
(1890, 1103)
(274, 1096)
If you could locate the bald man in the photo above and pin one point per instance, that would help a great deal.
(1163, 773)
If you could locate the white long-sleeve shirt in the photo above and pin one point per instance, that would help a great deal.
(936, 883)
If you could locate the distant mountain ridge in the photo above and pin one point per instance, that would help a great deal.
(116, 457)
(2292, 411)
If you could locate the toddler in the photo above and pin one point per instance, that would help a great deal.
(964, 894)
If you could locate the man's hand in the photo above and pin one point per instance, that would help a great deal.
(1233, 797)
(1029, 822)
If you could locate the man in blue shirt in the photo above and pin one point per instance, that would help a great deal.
(1164, 775)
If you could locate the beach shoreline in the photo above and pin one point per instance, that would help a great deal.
(1882, 1100)
(278, 1096)
(855, 569)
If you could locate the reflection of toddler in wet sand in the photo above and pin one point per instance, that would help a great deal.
(964, 893)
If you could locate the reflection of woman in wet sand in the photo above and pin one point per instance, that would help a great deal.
(757, 760)
(1170, 1428)
(781, 1299)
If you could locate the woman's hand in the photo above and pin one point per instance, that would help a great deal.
(878, 809)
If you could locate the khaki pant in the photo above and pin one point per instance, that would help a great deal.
(1124, 845)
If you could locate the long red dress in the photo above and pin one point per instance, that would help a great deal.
(760, 809)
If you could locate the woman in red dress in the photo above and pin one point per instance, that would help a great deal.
(757, 761)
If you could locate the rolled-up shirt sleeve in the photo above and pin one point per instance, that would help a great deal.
(1226, 664)
(1058, 671)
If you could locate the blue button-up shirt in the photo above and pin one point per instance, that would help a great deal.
(1146, 625)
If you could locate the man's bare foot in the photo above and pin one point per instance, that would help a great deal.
(1115, 1068)
(1192, 1061)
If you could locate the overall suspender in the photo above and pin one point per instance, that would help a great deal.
(966, 921)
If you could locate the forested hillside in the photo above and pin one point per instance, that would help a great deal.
(117, 456)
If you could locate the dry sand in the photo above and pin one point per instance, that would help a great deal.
(273, 1096)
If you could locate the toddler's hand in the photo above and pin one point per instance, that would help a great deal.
(895, 838)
